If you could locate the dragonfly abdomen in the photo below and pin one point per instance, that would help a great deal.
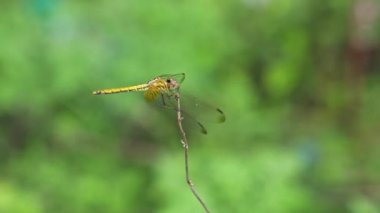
(141, 87)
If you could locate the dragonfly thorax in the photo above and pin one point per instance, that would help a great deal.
(164, 85)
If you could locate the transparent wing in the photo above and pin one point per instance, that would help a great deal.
(180, 77)
(195, 111)
(202, 110)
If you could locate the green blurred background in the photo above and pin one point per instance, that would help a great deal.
(299, 82)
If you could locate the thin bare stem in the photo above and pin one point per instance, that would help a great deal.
(186, 150)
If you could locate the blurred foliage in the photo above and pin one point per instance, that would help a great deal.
(298, 81)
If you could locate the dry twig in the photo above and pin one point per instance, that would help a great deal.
(186, 150)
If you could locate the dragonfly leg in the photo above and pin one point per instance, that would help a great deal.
(163, 101)
(166, 102)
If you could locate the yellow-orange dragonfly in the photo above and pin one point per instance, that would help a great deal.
(166, 86)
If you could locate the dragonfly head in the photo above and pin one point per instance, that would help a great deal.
(171, 83)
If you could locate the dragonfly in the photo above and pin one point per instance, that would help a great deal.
(165, 87)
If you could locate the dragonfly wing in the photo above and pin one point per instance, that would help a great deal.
(203, 128)
(192, 118)
(202, 110)
(180, 77)
(221, 116)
